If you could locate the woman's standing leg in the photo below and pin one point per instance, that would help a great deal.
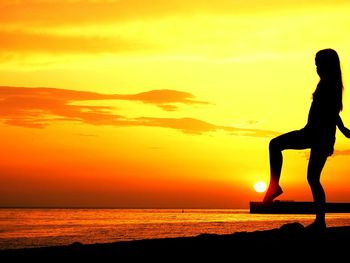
(316, 163)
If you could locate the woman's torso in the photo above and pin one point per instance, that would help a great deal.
(323, 115)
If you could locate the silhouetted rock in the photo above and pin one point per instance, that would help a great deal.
(76, 244)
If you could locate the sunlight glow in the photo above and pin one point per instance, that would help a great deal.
(260, 187)
(161, 104)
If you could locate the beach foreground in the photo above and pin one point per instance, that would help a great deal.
(290, 241)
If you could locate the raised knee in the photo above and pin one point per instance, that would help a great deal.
(273, 146)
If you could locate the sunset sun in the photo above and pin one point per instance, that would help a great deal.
(260, 187)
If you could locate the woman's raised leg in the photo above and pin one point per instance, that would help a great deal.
(291, 140)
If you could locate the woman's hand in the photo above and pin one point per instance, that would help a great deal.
(342, 128)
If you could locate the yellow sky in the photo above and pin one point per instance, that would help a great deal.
(161, 103)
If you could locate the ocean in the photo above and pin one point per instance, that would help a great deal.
(27, 228)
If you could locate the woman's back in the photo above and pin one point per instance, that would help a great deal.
(325, 108)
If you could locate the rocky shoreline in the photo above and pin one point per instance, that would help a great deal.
(289, 242)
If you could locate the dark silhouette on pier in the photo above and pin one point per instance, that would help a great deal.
(318, 135)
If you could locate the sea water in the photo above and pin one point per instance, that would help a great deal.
(26, 228)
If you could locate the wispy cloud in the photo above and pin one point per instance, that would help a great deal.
(336, 153)
(46, 97)
(67, 12)
(341, 152)
(25, 42)
(76, 27)
(39, 107)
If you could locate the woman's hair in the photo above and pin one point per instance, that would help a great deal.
(328, 62)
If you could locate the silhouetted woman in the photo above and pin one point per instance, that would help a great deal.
(318, 134)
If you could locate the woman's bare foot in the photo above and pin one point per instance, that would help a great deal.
(272, 193)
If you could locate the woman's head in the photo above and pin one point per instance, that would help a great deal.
(328, 64)
(328, 68)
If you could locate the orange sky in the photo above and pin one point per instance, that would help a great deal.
(158, 103)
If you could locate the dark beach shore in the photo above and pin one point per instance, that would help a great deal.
(289, 242)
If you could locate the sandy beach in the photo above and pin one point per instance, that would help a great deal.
(290, 241)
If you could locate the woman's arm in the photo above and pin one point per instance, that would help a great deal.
(342, 128)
